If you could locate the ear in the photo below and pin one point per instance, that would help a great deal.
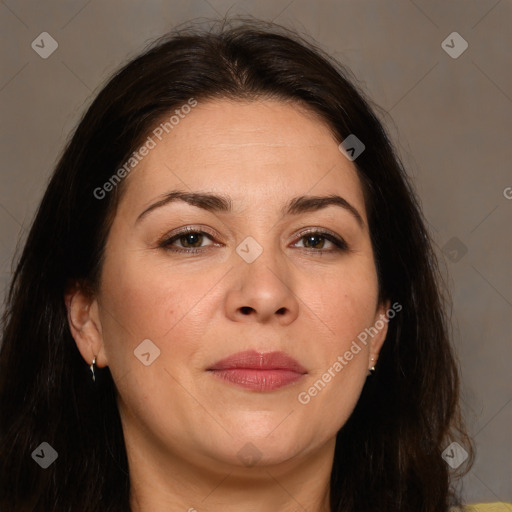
(84, 324)
(381, 325)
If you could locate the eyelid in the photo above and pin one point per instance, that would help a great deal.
(191, 229)
(316, 230)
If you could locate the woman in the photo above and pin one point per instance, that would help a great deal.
(228, 300)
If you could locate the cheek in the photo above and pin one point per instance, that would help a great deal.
(341, 365)
(345, 306)
(344, 302)
(145, 298)
(331, 398)
(140, 303)
(154, 302)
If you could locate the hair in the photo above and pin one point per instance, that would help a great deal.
(388, 454)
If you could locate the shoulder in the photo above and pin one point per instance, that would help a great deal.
(485, 507)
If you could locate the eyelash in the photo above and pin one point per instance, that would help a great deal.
(339, 243)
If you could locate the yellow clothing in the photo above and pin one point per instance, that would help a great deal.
(487, 507)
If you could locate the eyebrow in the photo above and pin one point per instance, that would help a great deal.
(219, 203)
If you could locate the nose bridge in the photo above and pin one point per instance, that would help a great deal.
(263, 262)
(263, 285)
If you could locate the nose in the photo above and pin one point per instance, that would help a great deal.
(262, 292)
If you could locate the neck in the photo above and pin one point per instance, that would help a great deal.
(160, 482)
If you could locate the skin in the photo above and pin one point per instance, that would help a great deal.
(184, 426)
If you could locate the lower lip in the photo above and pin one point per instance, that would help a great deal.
(258, 380)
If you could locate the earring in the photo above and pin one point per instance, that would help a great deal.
(372, 369)
(92, 369)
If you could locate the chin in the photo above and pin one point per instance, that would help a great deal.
(251, 451)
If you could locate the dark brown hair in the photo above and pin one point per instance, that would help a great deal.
(388, 454)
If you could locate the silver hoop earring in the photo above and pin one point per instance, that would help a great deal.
(92, 369)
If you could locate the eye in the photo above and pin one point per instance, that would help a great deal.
(190, 240)
(315, 240)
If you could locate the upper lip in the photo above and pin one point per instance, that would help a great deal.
(254, 360)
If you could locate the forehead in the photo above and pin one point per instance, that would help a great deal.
(262, 150)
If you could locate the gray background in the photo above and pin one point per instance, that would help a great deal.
(450, 118)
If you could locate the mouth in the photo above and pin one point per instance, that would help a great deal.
(258, 371)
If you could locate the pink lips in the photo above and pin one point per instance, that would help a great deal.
(258, 371)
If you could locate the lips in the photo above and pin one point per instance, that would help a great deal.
(258, 371)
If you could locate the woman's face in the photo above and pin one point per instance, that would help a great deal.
(251, 276)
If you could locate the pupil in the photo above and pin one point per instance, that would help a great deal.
(311, 239)
(192, 239)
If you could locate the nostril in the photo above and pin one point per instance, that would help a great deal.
(246, 310)
(281, 311)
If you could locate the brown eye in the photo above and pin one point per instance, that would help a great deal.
(194, 239)
(315, 241)
(188, 240)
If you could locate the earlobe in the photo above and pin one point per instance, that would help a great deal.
(381, 324)
(84, 324)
